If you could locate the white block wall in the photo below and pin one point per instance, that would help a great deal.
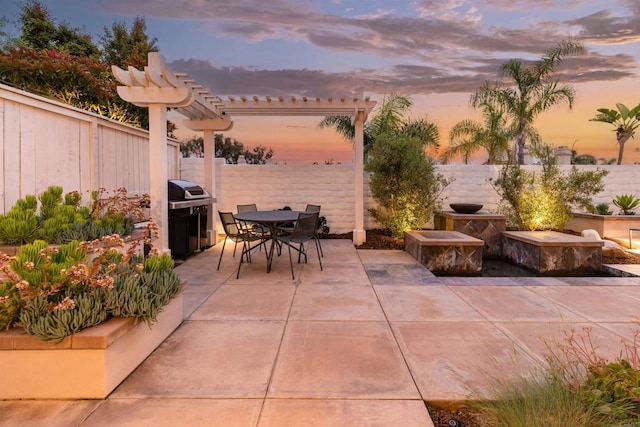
(276, 186)
(331, 186)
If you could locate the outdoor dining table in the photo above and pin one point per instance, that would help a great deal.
(271, 220)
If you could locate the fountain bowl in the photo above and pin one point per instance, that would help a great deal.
(465, 208)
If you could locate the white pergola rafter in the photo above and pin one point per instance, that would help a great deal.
(158, 89)
(173, 89)
(295, 106)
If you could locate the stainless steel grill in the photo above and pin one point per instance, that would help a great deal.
(188, 207)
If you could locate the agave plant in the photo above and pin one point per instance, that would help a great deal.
(626, 203)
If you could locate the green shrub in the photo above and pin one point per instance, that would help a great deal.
(578, 388)
(403, 182)
(543, 402)
(544, 201)
(613, 390)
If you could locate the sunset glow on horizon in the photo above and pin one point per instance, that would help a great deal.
(435, 52)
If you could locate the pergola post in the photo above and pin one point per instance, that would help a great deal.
(208, 128)
(210, 183)
(158, 180)
(359, 233)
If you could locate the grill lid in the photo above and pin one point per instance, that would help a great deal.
(180, 190)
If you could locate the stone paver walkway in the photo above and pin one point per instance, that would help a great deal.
(363, 343)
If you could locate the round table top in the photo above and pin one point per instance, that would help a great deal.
(268, 216)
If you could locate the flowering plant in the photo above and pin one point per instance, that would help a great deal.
(53, 292)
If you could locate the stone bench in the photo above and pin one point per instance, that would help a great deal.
(552, 253)
(445, 253)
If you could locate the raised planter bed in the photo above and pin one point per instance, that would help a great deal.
(87, 365)
(614, 227)
(445, 253)
(552, 253)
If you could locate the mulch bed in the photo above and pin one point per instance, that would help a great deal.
(376, 239)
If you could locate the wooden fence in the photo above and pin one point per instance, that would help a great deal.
(50, 143)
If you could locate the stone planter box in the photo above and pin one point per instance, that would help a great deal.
(552, 253)
(445, 253)
(87, 365)
(613, 227)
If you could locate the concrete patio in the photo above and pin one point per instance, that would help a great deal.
(363, 343)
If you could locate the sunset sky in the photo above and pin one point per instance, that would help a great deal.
(437, 52)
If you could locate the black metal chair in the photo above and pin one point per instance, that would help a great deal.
(256, 227)
(247, 208)
(309, 209)
(303, 232)
(238, 233)
(316, 208)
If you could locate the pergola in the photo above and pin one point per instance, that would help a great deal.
(157, 89)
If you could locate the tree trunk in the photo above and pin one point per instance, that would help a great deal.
(621, 141)
(520, 143)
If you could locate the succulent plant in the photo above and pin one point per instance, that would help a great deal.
(62, 219)
(45, 323)
(18, 226)
(142, 295)
(602, 209)
(10, 305)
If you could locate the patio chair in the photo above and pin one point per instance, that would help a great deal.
(247, 208)
(303, 232)
(256, 227)
(311, 209)
(238, 233)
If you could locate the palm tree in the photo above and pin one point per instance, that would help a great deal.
(469, 136)
(389, 118)
(625, 121)
(533, 93)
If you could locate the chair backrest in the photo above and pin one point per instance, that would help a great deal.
(312, 208)
(305, 225)
(229, 223)
(247, 208)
